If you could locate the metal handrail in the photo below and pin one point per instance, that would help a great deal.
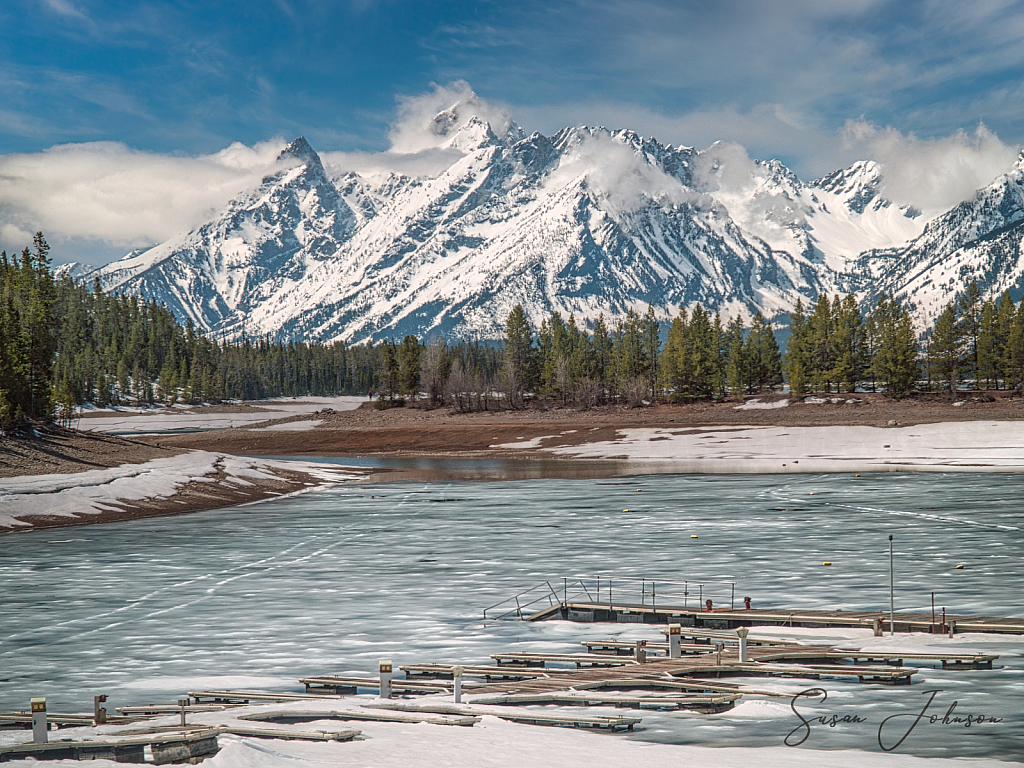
(580, 589)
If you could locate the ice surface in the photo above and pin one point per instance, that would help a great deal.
(337, 578)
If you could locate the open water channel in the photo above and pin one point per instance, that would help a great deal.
(332, 580)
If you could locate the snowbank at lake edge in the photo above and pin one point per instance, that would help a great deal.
(994, 446)
(97, 491)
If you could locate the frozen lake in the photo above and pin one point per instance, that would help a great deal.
(335, 579)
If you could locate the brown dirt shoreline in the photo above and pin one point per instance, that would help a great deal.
(439, 434)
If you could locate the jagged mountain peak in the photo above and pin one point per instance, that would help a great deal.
(587, 221)
(299, 149)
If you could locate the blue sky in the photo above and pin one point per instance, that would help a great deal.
(784, 78)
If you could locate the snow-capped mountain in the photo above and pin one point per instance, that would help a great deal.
(587, 221)
(979, 239)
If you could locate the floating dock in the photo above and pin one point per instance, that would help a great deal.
(165, 748)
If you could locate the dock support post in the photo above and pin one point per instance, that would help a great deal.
(385, 678)
(876, 625)
(674, 636)
(39, 724)
(183, 703)
(457, 671)
(99, 714)
(743, 632)
(892, 613)
(641, 651)
(718, 650)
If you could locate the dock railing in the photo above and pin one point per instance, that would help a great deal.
(617, 593)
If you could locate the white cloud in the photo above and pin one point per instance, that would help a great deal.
(109, 193)
(616, 173)
(931, 174)
(429, 120)
(428, 162)
(725, 171)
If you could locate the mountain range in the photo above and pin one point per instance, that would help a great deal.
(587, 221)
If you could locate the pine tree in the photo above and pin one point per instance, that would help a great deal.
(894, 362)
(1013, 355)
(820, 345)
(970, 309)
(520, 356)
(674, 363)
(651, 340)
(989, 346)
(736, 366)
(847, 344)
(762, 353)
(409, 366)
(797, 360)
(945, 349)
(601, 357)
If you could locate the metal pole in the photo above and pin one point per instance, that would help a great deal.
(892, 610)
(933, 613)
(732, 600)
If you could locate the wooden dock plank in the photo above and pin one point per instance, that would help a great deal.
(531, 718)
(352, 714)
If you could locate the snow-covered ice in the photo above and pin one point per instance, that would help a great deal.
(334, 579)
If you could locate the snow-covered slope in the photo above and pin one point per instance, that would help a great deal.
(587, 221)
(979, 239)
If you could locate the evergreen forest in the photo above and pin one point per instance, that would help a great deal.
(64, 343)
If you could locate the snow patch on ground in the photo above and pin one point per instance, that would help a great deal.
(533, 442)
(101, 490)
(757, 405)
(157, 421)
(961, 446)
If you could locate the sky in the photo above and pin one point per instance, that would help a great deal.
(123, 122)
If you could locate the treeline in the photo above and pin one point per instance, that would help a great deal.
(63, 343)
(977, 342)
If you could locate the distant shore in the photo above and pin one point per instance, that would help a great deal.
(837, 433)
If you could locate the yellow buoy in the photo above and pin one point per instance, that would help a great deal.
(857, 475)
(695, 536)
(960, 567)
(812, 493)
(625, 510)
(827, 562)
(639, 489)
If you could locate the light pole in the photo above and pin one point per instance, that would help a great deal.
(892, 614)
